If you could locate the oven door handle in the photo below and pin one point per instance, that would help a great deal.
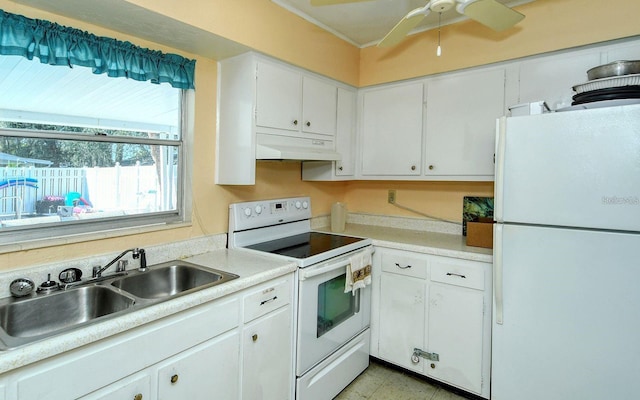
(306, 273)
(310, 273)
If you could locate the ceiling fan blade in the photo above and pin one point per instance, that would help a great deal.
(490, 13)
(332, 2)
(402, 28)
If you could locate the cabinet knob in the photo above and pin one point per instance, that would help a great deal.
(174, 378)
(308, 123)
(433, 366)
(295, 122)
(254, 337)
(138, 396)
(431, 167)
(413, 167)
(340, 168)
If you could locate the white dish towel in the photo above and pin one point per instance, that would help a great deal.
(358, 271)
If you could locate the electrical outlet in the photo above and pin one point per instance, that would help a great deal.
(391, 198)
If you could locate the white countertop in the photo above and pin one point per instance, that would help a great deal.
(252, 268)
(441, 244)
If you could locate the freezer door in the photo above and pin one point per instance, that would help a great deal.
(578, 168)
(570, 309)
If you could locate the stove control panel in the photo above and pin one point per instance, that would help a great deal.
(257, 214)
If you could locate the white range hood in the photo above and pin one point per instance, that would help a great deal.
(276, 147)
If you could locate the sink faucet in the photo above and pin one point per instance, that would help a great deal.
(136, 253)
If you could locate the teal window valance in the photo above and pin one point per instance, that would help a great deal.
(59, 45)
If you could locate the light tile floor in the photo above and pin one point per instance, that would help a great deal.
(379, 382)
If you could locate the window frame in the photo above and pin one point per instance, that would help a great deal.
(44, 235)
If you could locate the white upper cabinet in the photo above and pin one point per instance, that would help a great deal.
(551, 78)
(392, 130)
(319, 105)
(270, 110)
(278, 97)
(346, 132)
(460, 124)
(450, 136)
(285, 99)
(345, 139)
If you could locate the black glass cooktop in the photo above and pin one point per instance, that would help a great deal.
(305, 245)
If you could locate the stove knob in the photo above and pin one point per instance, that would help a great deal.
(258, 210)
(298, 205)
(305, 205)
(247, 212)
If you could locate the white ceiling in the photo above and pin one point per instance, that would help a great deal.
(365, 23)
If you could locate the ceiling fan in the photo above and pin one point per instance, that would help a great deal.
(490, 13)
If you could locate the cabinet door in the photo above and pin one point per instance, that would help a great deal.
(392, 130)
(278, 97)
(346, 132)
(202, 371)
(318, 106)
(461, 123)
(456, 335)
(136, 387)
(401, 323)
(552, 78)
(267, 367)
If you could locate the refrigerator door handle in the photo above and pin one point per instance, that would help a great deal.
(497, 274)
(501, 124)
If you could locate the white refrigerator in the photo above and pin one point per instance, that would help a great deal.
(566, 321)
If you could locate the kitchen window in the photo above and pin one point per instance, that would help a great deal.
(84, 152)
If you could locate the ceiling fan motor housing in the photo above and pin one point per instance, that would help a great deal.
(441, 5)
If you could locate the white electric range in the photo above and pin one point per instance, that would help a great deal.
(333, 325)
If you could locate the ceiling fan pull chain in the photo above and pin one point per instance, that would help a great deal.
(439, 49)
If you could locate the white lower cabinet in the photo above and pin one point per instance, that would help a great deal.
(267, 342)
(210, 370)
(401, 318)
(200, 353)
(433, 317)
(267, 355)
(455, 333)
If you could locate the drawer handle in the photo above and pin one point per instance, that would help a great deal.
(458, 275)
(268, 300)
(398, 265)
(254, 337)
(138, 396)
(174, 379)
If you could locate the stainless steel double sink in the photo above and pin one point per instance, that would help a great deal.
(25, 320)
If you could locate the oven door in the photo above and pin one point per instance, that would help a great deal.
(327, 317)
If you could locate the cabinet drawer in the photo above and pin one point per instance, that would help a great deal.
(458, 273)
(404, 263)
(266, 299)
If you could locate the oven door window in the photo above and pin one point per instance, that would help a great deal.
(334, 305)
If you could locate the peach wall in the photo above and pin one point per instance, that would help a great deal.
(437, 199)
(549, 25)
(262, 25)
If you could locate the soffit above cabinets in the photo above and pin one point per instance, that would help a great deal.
(122, 16)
